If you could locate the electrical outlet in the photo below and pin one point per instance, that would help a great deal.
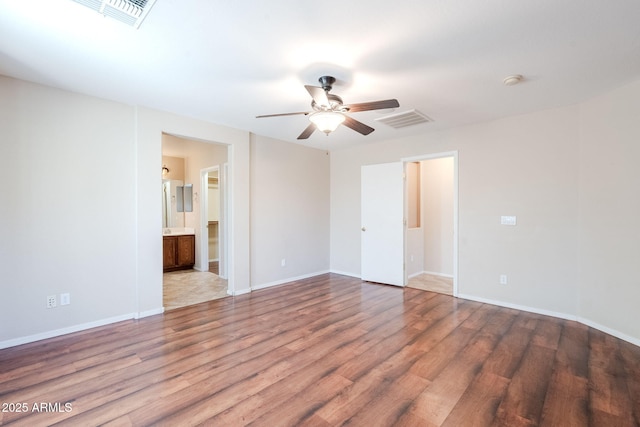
(503, 279)
(51, 301)
(65, 299)
(283, 262)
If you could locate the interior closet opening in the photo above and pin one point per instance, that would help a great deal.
(431, 215)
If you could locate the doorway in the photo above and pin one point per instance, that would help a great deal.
(196, 283)
(431, 194)
(214, 222)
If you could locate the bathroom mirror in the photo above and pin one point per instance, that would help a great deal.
(184, 196)
(180, 198)
(170, 215)
(188, 198)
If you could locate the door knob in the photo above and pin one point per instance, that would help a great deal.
(364, 229)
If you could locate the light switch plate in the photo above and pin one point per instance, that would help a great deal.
(508, 220)
(65, 299)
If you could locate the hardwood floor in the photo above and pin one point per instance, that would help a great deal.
(326, 351)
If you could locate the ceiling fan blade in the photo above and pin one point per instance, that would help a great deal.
(357, 126)
(375, 105)
(319, 95)
(308, 131)
(283, 114)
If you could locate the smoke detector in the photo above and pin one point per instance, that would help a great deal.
(513, 80)
(130, 12)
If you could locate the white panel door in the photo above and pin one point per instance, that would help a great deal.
(382, 219)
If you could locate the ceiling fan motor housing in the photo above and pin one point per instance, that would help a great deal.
(327, 82)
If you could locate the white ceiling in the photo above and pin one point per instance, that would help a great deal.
(226, 61)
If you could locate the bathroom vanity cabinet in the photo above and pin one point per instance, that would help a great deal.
(178, 252)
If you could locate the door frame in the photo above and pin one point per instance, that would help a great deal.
(432, 156)
(222, 222)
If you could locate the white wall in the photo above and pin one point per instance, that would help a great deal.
(521, 166)
(609, 243)
(289, 211)
(437, 215)
(524, 166)
(68, 209)
(414, 255)
(569, 175)
(82, 208)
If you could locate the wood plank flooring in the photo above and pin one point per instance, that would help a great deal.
(327, 351)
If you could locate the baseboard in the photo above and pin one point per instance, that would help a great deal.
(287, 280)
(344, 273)
(240, 292)
(587, 322)
(71, 329)
(609, 331)
(148, 313)
(433, 273)
(519, 307)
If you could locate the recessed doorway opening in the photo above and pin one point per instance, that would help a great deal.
(193, 278)
(431, 190)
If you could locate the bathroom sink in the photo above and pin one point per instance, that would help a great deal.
(177, 231)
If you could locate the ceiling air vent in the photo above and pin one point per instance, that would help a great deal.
(404, 119)
(131, 12)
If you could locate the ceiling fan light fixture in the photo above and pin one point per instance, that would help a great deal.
(327, 110)
(327, 121)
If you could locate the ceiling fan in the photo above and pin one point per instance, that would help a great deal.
(328, 110)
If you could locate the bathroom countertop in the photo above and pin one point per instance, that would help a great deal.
(177, 231)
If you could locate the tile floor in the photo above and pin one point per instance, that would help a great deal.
(188, 287)
(433, 283)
